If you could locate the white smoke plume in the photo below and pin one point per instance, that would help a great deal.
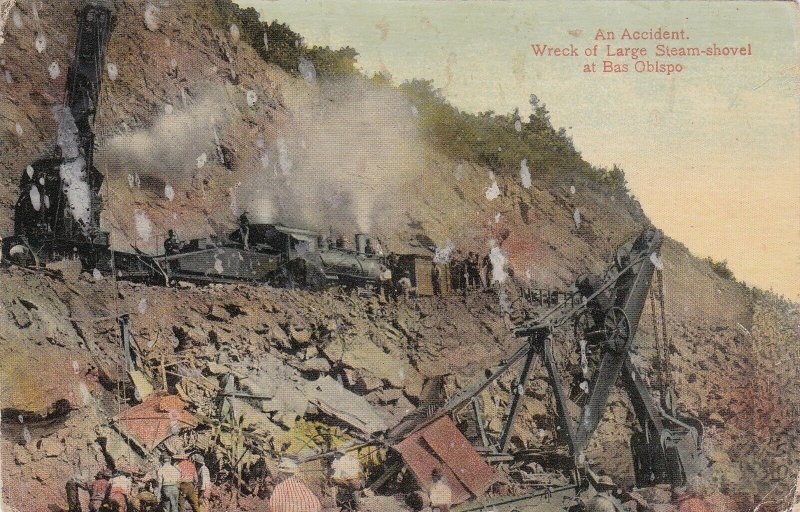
(169, 148)
(341, 162)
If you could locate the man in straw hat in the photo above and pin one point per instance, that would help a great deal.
(292, 494)
(168, 478)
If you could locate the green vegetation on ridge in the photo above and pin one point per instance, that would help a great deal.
(498, 141)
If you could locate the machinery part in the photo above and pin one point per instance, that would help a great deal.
(617, 329)
(584, 328)
(631, 287)
(45, 213)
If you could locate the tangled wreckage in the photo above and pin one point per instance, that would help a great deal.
(586, 346)
(57, 215)
(666, 447)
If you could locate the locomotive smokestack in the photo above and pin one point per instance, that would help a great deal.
(361, 243)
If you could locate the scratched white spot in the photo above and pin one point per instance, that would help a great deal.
(54, 69)
(131, 182)
(218, 266)
(151, 17)
(173, 65)
(307, 70)
(36, 198)
(499, 259)
(168, 109)
(518, 125)
(266, 42)
(29, 170)
(657, 261)
(235, 34)
(144, 228)
(493, 192)
(41, 42)
(572, 189)
(46, 201)
(112, 71)
(576, 216)
(444, 253)
(20, 418)
(252, 99)
(8, 77)
(142, 306)
(201, 160)
(75, 367)
(525, 173)
(26, 435)
(169, 192)
(97, 275)
(18, 127)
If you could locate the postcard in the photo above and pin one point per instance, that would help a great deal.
(399, 255)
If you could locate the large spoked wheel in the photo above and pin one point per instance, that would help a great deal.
(617, 329)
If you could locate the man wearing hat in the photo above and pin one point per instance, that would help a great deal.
(168, 478)
(292, 494)
(188, 480)
(99, 489)
(121, 485)
(203, 479)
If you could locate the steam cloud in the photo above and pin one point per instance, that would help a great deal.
(167, 150)
(341, 162)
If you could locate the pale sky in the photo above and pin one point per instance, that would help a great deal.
(712, 153)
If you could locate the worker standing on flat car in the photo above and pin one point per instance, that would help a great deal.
(171, 244)
(244, 229)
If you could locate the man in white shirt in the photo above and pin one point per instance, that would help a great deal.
(168, 477)
(203, 478)
(441, 495)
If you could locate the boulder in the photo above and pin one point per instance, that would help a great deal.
(362, 354)
(21, 455)
(300, 336)
(317, 364)
(52, 447)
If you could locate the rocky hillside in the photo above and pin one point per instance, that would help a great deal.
(194, 127)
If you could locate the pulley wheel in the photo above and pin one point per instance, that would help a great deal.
(617, 329)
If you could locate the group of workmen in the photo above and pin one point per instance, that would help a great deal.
(471, 271)
(182, 479)
(179, 478)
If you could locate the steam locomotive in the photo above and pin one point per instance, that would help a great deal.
(57, 215)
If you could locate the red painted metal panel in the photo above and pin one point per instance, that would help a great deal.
(457, 452)
(155, 419)
(441, 445)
